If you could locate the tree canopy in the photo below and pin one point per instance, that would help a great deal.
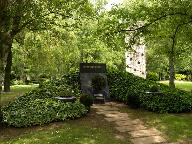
(50, 38)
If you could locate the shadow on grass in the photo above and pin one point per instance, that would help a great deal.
(177, 127)
(92, 129)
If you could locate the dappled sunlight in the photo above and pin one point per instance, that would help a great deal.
(92, 129)
(175, 127)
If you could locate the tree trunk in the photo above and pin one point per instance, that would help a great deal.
(7, 78)
(1, 74)
(5, 47)
(171, 70)
(172, 58)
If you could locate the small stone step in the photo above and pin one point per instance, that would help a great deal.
(125, 124)
(130, 128)
(148, 140)
(145, 133)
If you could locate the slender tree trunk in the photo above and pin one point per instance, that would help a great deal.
(172, 58)
(1, 74)
(171, 70)
(7, 78)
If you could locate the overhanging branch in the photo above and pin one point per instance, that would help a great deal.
(157, 19)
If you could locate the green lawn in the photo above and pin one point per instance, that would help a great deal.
(16, 90)
(175, 127)
(92, 129)
(184, 85)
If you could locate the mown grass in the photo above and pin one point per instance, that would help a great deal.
(183, 85)
(16, 90)
(175, 127)
(92, 129)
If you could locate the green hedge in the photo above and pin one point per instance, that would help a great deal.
(169, 100)
(40, 106)
(130, 89)
(126, 87)
(152, 76)
(41, 111)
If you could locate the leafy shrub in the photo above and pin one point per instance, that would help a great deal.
(86, 100)
(40, 106)
(133, 97)
(98, 82)
(72, 79)
(124, 85)
(154, 88)
(130, 89)
(152, 76)
(169, 100)
(180, 77)
(18, 82)
(1, 116)
(40, 111)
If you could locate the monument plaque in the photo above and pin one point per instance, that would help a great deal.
(87, 72)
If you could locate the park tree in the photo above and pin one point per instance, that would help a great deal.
(19, 15)
(163, 24)
(61, 48)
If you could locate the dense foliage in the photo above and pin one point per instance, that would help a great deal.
(180, 77)
(170, 100)
(152, 76)
(41, 111)
(133, 90)
(126, 87)
(138, 92)
(98, 82)
(86, 100)
(40, 105)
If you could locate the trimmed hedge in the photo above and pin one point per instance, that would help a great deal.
(131, 90)
(169, 100)
(126, 87)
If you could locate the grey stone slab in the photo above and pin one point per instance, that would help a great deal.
(148, 140)
(112, 104)
(116, 115)
(110, 119)
(175, 143)
(108, 109)
(99, 113)
(137, 121)
(145, 133)
(130, 128)
(107, 112)
(127, 122)
(115, 119)
(130, 122)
